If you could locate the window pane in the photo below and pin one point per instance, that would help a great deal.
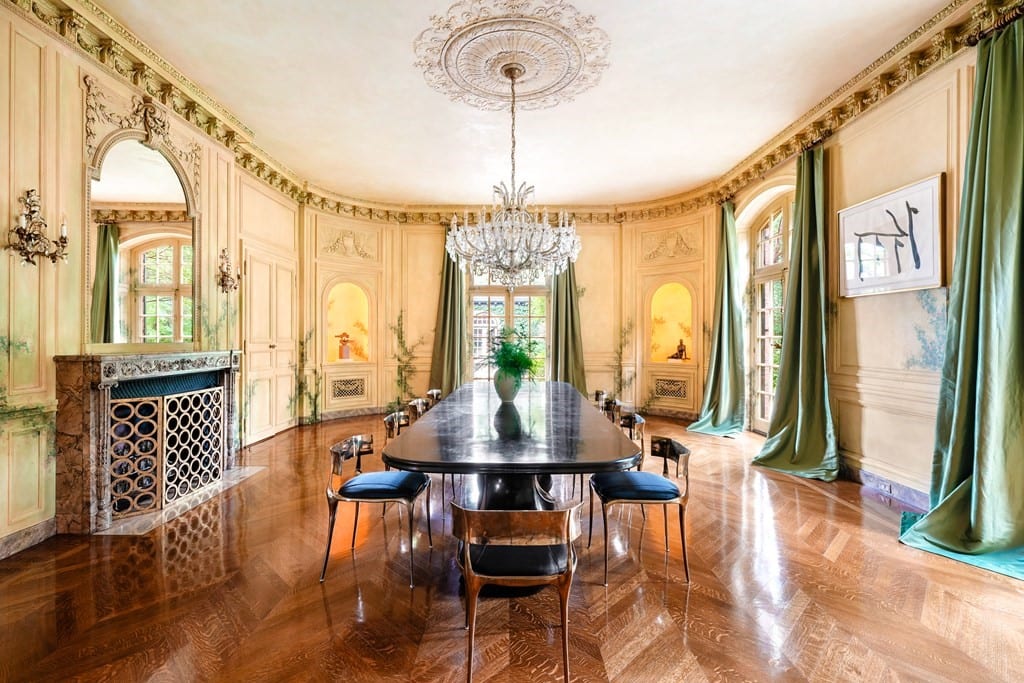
(186, 319)
(186, 264)
(158, 266)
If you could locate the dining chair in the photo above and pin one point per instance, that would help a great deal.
(634, 425)
(356, 446)
(669, 449)
(417, 408)
(641, 488)
(516, 548)
(434, 396)
(393, 423)
(371, 487)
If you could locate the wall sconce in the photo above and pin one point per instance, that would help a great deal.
(28, 237)
(226, 279)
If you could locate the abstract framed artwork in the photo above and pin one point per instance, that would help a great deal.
(893, 243)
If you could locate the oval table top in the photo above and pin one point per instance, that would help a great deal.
(550, 428)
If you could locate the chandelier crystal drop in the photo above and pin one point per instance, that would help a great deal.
(512, 243)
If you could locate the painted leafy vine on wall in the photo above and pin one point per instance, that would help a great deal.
(404, 368)
(932, 336)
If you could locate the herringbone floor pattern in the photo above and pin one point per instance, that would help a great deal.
(791, 581)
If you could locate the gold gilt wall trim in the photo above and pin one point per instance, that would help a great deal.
(139, 216)
(93, 32)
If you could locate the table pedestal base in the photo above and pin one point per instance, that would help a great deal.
(515, 492)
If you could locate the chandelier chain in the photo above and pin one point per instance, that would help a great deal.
(512, 76)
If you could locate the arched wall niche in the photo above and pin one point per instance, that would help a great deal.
(671, 317)
(346, 322)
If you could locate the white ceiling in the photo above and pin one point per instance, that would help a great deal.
(693, 87)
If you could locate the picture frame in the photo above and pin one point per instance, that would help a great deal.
(894, 242)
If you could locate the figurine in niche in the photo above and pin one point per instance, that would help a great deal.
(344, 350)
(680, 353)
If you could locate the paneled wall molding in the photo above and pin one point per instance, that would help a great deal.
(908, 403)
(90, 30)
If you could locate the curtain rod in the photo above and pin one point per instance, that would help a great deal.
(1003, 21)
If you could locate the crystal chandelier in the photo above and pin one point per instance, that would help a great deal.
(512, 243)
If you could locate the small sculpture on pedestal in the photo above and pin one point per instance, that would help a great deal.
(680, 353)
(344, 351)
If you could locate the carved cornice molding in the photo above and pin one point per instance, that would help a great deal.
(115, 369)
(139, 216)
(105, 41)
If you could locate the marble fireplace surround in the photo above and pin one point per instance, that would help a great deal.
(84, 383)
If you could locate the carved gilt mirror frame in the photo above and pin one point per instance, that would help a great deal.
(110, 119)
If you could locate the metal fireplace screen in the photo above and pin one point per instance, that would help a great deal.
(163, 448)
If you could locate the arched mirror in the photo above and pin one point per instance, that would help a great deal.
(143, 287)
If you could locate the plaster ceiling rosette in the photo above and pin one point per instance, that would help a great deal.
(562, 52)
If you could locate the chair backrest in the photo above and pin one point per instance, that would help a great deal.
(516, 527)
(664, 447)
(419, 406)
(434, 395)
(393, 423)
(357, 444)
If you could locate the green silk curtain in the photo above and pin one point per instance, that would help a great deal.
(801, 436)
(104, 286)
(566, 339)
(977, 490)
(722, 413)
(450, 360)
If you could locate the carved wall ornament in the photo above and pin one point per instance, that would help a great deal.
(562, 51)
(347, 243)
(683, 242)
(139, 216)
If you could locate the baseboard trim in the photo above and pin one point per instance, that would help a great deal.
(28, 537)
(909, 497)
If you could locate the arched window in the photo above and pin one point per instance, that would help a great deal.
(770, 236)
(161, 291)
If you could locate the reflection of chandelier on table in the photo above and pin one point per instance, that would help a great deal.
(511, 244)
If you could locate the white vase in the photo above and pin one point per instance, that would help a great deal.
(507, 384)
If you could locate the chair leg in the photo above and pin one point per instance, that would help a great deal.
(682, 537)
(677, 468)
(430, 536)
(411, 503)
(355, 525)
(333, 505)
(590, 536)
(604, 516)
(471, 595)
(563, 594)
(664, 514)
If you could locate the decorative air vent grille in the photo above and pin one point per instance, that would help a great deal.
(348, 388)
(670, 388)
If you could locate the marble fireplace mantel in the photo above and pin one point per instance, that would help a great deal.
(84, 385)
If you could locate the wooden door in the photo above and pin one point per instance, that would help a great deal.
(268, 384)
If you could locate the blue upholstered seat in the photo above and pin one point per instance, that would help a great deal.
(633, 486)
(384, 485)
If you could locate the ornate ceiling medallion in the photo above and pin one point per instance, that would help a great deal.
(562, 52)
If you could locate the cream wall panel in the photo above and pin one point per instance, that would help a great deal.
(423, 256)
(267, 216)
(70, 303)
(870, 434)
(599, 275)
(26, 473)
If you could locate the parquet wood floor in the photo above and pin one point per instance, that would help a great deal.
(792, 580)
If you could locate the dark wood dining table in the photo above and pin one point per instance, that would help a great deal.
(514, 447)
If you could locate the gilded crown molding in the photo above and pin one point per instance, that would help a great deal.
(125, 215)
(561, 51)
(102, 39)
